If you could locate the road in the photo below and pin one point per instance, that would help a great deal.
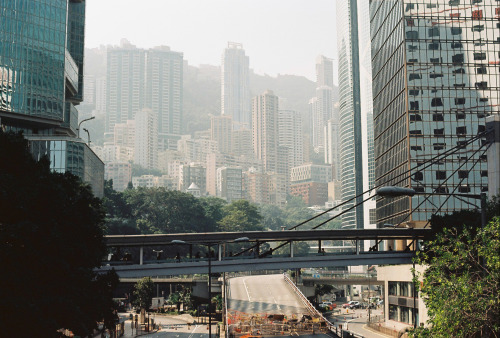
(251, 299)
(355, 321)
(265, 294)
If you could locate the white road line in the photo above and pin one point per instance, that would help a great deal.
(192, 333)
(246, 289)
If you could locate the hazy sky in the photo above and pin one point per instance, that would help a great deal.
(279, 36)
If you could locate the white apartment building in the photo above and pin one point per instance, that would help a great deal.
(146, 139)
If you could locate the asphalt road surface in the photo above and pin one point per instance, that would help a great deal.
(265, 294)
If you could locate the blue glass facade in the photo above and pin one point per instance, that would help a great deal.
(41, 76)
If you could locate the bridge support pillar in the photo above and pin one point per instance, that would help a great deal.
(219, 250)
(357, 247)
(291, 249)
(141, 255)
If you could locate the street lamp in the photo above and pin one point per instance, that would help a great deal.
(209, 246)
(391, 191)
(88, 135)
(78, 129)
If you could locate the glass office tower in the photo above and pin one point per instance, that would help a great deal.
(41, 77)
(435, 79)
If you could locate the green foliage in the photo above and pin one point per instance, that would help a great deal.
(138, 170)
(240, 215)
(322, 289)
(461, 282)
(158, 210)
(51, 239)
(299, 249)
(217, 300)
(143, 293)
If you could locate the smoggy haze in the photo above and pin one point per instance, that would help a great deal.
(280, 36)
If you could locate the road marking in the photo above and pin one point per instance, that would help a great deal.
(192, 333)
(246, 289)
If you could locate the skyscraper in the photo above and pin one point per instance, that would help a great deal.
(290, 136)
(164, 92)
(41, 82)
(146, 139)
(265, 130)
(235, 87)
(435, 79)
(355, 109)
(221, 128)
(137, 79)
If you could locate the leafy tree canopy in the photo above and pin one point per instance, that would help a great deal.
(51, 239)
(143, 293)
(241, 215)
(158, 210)
(460, 284)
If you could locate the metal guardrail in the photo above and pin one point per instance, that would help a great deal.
(307, 303)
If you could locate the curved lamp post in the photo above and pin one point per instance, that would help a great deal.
(78, 129)
(209, 246)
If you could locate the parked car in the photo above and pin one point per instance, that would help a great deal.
(347, 305)
(354, 305)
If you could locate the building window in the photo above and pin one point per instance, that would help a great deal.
(414, 92)
(461, 144)
(441, 190)
(480, 56)
(439, 132)
(463, 174)
(454, 2)
(437, 117)
(464, 188)
(459, 71)
(415, 117)
(434, 31)
(456, 30)
(477, 15)
(481, 85)
(478, 28)
(416, 148)
(414, 105)
(481, 70)
(484, 173)
(439, 146)
(461, 131)
(460, 116)
(440, 175)
(457, 58)
(418, 176)
(433, 75)
(434, 46)
(455, 45)
(435, 60)
(415, 77)
(393, 288)
(459, 100)
(393, 312)
(419, 189)
(436, 102)
(405, 314)
(412, 35)
(416, 132)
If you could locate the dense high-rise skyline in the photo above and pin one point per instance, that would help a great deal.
(435, 79)
(137, 79)
(265, 130)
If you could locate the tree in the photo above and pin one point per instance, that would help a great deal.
(461, 282)
(143, 294)
(51, 239)
(158, 210)
(321, 290)
(241, 215)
